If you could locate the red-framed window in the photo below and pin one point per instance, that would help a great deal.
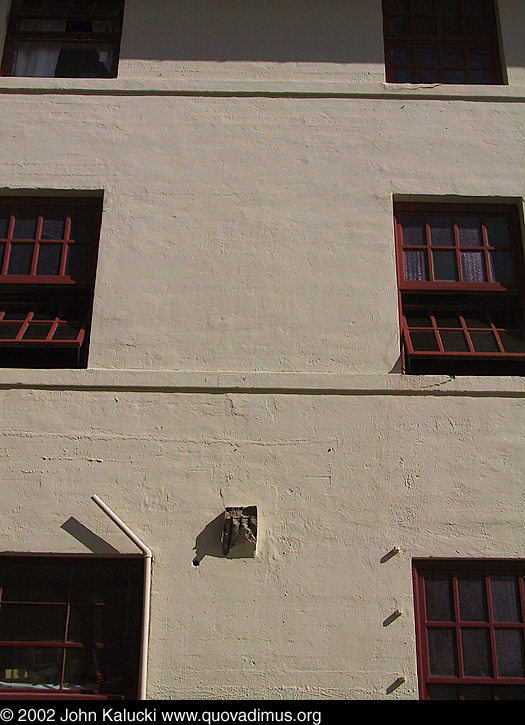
(470, 629)
(461, 290)
(63, 38)
(70, 627)
(441, 41)
(48, 251)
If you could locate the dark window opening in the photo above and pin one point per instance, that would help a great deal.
(48, 250)
(441, 41)
(63, 39)
(470, 629)
(460, 273)
(70, 627)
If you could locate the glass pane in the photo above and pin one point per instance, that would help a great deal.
(455, 76)
(429, 76)
(67, 331)
(453, 58)
(497, 231)
(400, 25)
(425, 26)
(475, 320)
(484, 342)
(453, 341)
(513, 341)
(506, 318)
(476, 652)
(441, 233)
(480, 76)
(423, 341)
(31, 665)
(427, 56)
(36, 331)
(510, 652)
(82, 664)
(25, 224)
(20, 259)
(402, 7)
(450, 26)
(32, 582)
(473, 267)
(82, 222)
(477, 27)
(445, 267)
(49, 256)
(4, 223)
(447, 319)
(478, 58)
(474, 7)
(424, 7)
(35, 60)
(472, 599)
(438, 598)
(477, 692)
(505, 598)
(442, 692)
(501, 266)
(9, 330)
(511, 692)
(32, 622)
(469, 231)
(403, 75)
(78, 259)
(442, 653)
(448, 7)
(53, 224)
(2, 255)
(417, 318)
(402, 56)
(415, 265)
(86, 624)
(413, 230)
(84, 61)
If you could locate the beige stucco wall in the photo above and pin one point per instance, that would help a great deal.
(245, 343)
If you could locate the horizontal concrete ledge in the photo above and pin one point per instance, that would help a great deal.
(282, 383)
(260, 88)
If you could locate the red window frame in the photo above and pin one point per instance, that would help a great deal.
(441, 41)
(470, 650)
(79, 612)
(69, 10)
(48, 254)
(460, 319)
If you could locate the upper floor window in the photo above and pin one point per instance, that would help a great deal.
(63, 38)
(441, 41)
(460, 273)
(470, 629)
(48, 249)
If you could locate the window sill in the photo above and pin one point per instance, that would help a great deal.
(261, 382)
(183, 86)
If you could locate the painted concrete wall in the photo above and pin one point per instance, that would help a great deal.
(245, 341)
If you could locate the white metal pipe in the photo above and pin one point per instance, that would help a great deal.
(148, 556)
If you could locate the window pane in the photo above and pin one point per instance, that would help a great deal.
(505, 598)
(453, 58)
(425, 7)
(484, 342)
(2, 255)
(20, 259)
(423, 341)
(401, 7)
(450, 26)
(425, 26)
(429, 76)
(473, 267)
(32, 622)
(442, 653)
(442, 692)
(510, 652)
(36, 331)
(82, 225)
(415, 265)
(474, 7)
(400, 25)
(9, 330)
(438, 598)
(427, 56)
(53, 224)
(472, 599)
(31, 665)
(441, 233)
(84, 61)
(501, 267)
(513, 341)
(478, 58)
(455, 76)
(78, 259)
(402, 56)
(475, 320)
(469, 231)
(480, 76)
(4, 223)
(418, 318)
(453, 341)
(447, 319)
(49, 256)
(445, 268)
(29, 582)
(413, 230)
(497, 231)
(67, 331)
(448, 7)
(25, 224)
(403, 75)
(476, 652)
(477, 692)
(511, 692)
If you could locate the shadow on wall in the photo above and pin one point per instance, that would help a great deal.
(208, 542)
(333, 31)
(88, 538)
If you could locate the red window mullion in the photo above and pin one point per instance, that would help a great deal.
(430, 261)
(492, 631)
(466, 332)
(459, 645)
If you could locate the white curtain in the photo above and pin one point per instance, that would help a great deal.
(38, 60)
